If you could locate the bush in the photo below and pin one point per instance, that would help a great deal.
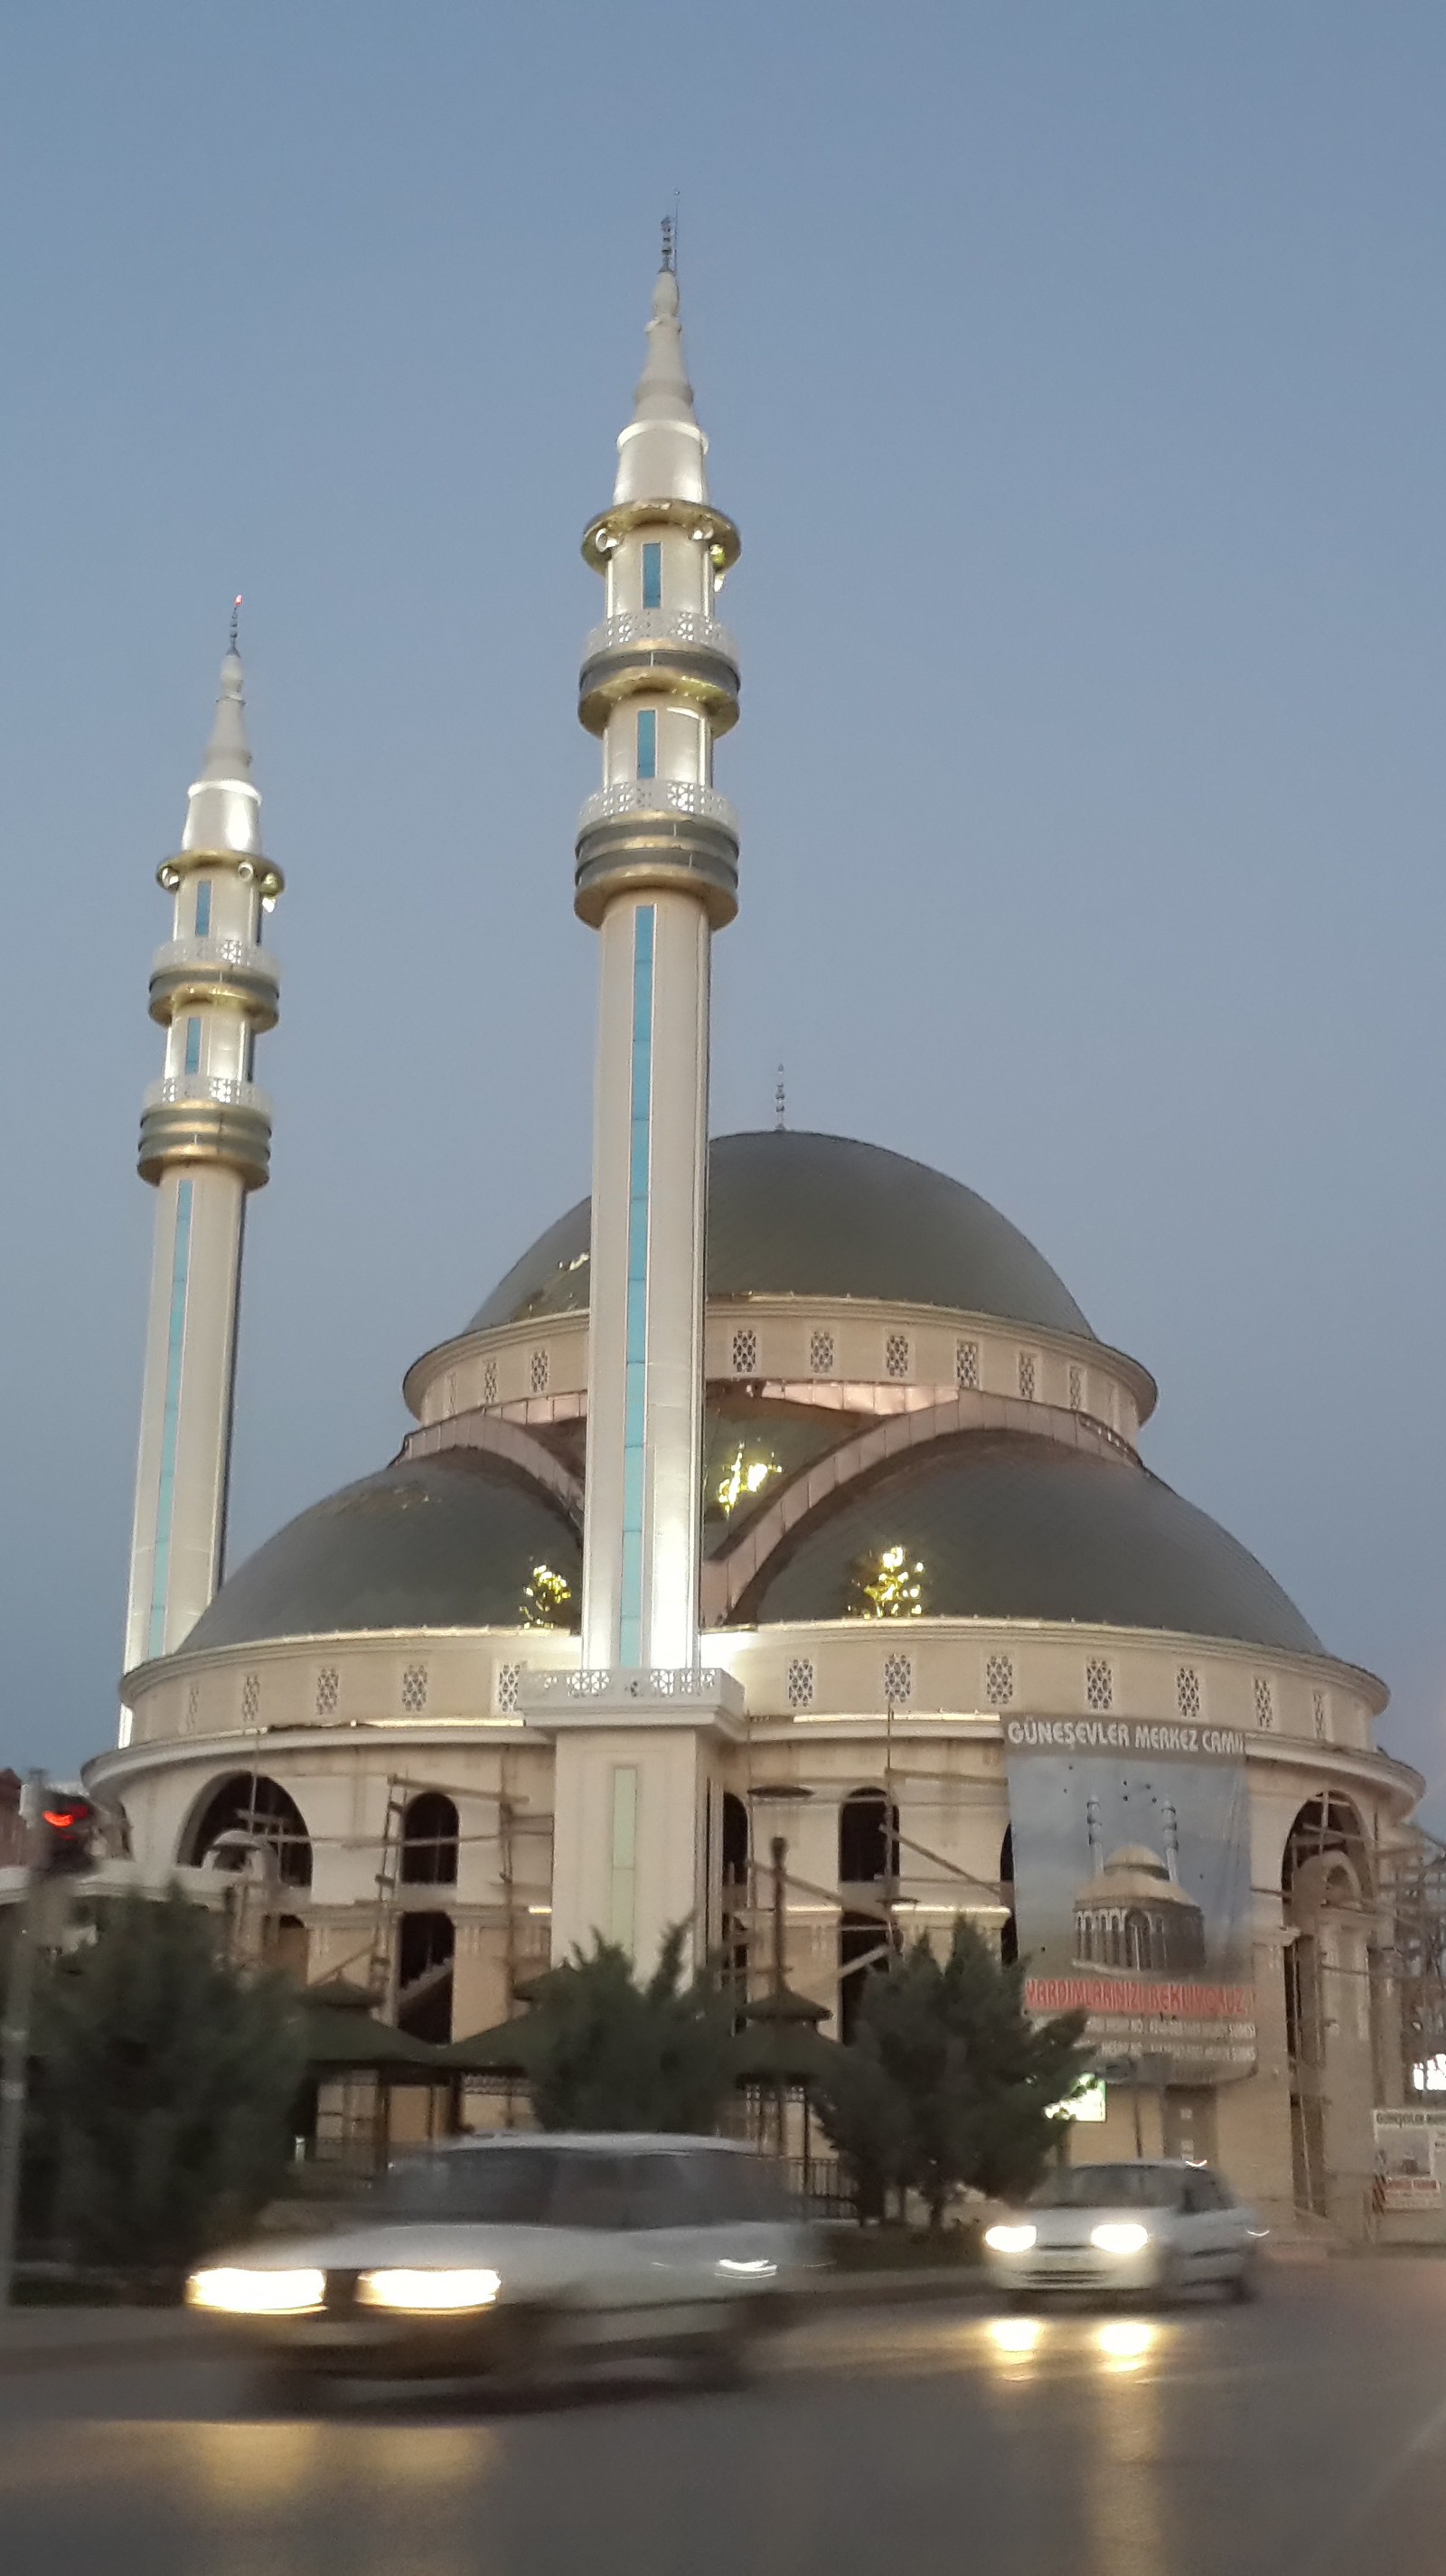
(605, 2052)
(948, 2081)
(167, 2079)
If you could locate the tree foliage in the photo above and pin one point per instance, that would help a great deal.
(608, 2052)
(167, 2080)
(948, 2081)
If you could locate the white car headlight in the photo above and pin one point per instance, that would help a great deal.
(1010, 2240)
(236, 2293)
(428, 2293)
(1124, 2236)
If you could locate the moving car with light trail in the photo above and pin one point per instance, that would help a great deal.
(498, 2254)
(1156, 2228)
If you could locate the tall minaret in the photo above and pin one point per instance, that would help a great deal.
(205, 1142)
(657, 873)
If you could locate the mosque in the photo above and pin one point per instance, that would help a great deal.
(762, 1518)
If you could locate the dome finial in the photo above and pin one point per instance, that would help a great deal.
(780, 1105)
(235, 619)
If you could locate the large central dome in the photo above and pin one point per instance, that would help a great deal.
(796, 1215)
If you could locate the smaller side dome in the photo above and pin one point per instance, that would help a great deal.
(1006, 1527)
(445, 1542)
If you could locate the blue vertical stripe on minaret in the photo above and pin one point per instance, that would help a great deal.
(630, 1621)
(171, 1417)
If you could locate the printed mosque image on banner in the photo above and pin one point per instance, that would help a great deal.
(1133, 1894)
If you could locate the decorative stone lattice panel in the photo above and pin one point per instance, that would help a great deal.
(799, 1684)
(1264, 1700)
(745, 1353)
(896, 1355)
(328, 1690)
(1187, 1691)
(1099, 1684)
(966, 1364)
(998, 1680)
(820, 1352)
(414, 1689)
(489, 1383)
(250, 1699)
(539, 1373)
(1026, 1376)
(449, 1391)
(898, 1678)
(509, 1683)
(193, 1707)
(1321, 1715)
(1076, 1387)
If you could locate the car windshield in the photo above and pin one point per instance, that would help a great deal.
(1109, 2187)
(541, 2186)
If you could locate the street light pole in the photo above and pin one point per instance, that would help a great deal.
(15, 2043)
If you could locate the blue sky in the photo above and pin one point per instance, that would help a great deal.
(1076, 375)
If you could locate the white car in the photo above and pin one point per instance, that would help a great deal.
(500, 2253)
(1158, 2228)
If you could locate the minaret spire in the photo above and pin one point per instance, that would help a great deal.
(205, 1144)
(657, 874)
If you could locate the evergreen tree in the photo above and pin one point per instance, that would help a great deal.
(960, 2081)
(167, 2080)
(605, 2052)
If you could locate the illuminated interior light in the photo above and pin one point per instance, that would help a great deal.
(743, 1477)
(889, 1585)
(546, 1599)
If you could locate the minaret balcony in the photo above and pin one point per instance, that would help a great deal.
(673, 833)
(190, 1118)
(678, 651)
(215, 970)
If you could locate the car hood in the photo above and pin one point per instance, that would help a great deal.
(377, 2245)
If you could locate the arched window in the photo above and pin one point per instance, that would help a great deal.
(426, 1944)
(1326, 1858)
(429, 1841)
(868, 1839)
(243, 1811)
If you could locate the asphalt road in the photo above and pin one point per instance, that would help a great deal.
(1306, 2434)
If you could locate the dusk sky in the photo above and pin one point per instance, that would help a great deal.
(1076, 377)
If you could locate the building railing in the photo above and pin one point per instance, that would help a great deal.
(658, 796)
(181, 1090)
(661, 626)
(708, 1684)
(216, 952)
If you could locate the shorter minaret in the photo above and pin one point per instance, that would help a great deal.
(205, 1143)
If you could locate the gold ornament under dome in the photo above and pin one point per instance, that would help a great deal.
(546, 1599)
(888, 1585)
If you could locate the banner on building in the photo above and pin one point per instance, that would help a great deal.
(1131, 1843)
(1410, 2159)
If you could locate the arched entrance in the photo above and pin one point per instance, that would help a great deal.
(1325, 1878)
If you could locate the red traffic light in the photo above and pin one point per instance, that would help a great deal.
(67, 1824)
